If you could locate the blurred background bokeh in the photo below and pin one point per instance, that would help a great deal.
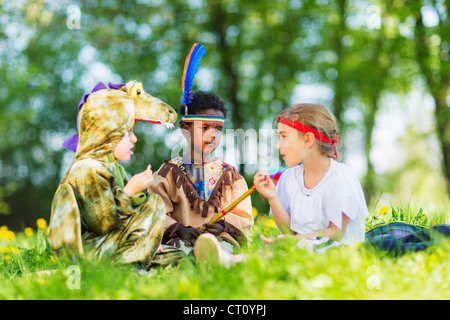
(382, 67)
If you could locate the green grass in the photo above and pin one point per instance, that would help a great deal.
(278, 271)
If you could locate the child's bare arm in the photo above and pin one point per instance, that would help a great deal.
(280, 215)
(332, 231)
(266, 187)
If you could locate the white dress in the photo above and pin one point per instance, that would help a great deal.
(312, 210)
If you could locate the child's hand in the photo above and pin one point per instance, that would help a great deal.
(188, 233)
(215, 228)
(139, 182)
(271, 240)
(265, 185)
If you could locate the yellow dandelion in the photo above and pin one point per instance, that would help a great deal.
(6, 257)
(383, 211)
(28, 232)
(14, 250)
(254, 212)
(41, 223)
(3, 230)
(9, 235)
(270, 223)
(53, 259)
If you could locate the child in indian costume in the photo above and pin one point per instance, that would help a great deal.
(96, 208)
(197, 185)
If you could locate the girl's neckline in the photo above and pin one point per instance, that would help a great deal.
(300, 179)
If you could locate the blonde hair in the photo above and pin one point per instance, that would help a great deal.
(317, 117)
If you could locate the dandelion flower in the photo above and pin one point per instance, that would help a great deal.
(254, 212)
(3, 230)
(383, 211)
(53, 259)
(270, 223)
(41, 223)
(6, 257)
(28, 232)
(9, 235)
(14, 250)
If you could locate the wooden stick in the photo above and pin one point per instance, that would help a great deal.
(230, 207)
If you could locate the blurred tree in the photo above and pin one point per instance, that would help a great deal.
(38, 80)
(250, 38)
(379, 50)
(432, 55)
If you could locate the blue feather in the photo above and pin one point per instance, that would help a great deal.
(190, 69)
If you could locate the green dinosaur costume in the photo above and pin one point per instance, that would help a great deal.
(89, 210)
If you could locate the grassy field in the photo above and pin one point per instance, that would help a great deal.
(278, 271)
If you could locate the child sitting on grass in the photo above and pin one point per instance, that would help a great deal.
(318, 200)
(95, 207)
(196, 186)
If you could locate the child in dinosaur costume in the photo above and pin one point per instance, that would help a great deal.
(95, 207)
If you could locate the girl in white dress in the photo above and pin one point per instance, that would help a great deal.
(318, 199)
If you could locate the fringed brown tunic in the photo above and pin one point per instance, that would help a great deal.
(185, 206)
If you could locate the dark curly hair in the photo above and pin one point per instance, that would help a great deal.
(202, 101)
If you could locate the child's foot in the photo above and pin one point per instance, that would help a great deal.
(208, 248)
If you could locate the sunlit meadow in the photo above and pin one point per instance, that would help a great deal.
(28, 270)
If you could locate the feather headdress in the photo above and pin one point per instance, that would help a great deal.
(190, 69)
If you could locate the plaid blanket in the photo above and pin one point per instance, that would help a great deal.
(400, 237)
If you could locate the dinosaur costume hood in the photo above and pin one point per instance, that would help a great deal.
(107, 114)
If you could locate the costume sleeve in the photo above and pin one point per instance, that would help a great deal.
(164, 187)
(345, 197)
(103, 205)
(65, 224)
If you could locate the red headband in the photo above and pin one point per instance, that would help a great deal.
(305, 129)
